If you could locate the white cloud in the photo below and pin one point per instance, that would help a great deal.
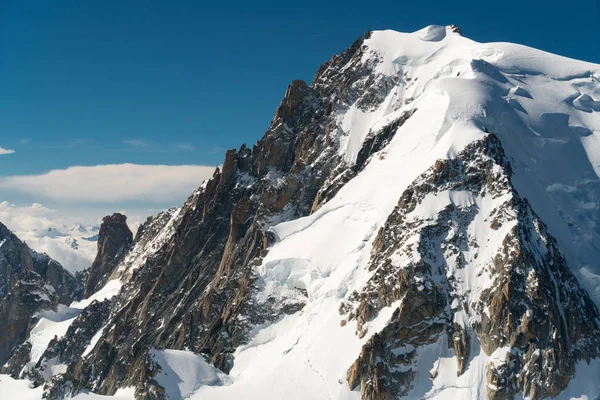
(186, 146)
(5, 151)
(37, 217)
(112, 183)
(136, 143)
(25, 218)
(69, 144)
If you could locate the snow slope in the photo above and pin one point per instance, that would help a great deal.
(182, 372)
(18, 389)
(21, 389)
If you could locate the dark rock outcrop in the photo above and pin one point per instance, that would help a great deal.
(71, 347)
(455, 29)
(114, 240)
(20, 357)
(376, 141)
(18, 308)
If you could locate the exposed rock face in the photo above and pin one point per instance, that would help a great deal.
(350, 78)
(70, 348)
(455, 29)
(197, 291)
(13, 259)
(114, 240)
(20, 357)
(520, 295)
(377, 140)
(29, 282)
(150, 237)
(26, 297)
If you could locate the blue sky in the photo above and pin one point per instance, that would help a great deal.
(98, 82)
(86, 83)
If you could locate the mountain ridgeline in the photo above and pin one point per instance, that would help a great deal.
(394, 234)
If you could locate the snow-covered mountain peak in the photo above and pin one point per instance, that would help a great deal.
(421, 220)
(544, 107)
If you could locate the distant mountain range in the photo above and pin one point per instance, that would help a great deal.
(73, 246)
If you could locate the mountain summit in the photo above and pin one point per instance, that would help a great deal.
(420, 221)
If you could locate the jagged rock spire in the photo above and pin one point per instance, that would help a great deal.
(114, 239)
